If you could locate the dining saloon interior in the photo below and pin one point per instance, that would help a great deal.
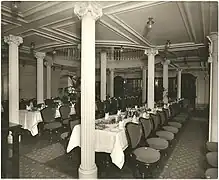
(109, 89)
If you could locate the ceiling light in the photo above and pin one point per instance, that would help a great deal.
(32, 45)
(121, 49)
(150, 22)
(168, 43)
(15, 5)
(54, 51)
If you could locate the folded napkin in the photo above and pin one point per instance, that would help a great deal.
(28, 107)
(106, 116)
(119, 112)
(145, 115)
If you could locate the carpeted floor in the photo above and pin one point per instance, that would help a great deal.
(40, 158)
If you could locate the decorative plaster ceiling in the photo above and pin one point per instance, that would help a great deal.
(53, 24)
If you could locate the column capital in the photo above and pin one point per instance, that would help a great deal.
(111, 69)
(48, 62)
(82, 9)
(166, 62)
(11, 39)
(143, 68)
(151, 51)
(179, 70)
(40, 55)
(214, 36)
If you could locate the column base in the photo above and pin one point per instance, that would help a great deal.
(88, 174)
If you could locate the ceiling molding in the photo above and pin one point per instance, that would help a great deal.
(185, 20)
(55, 38)
(112, 5)
(130, 30)
(48, 48)
(133, 7)
(182, 46)
(68, 19)
(203, 20)
(11, 22)
(117, 31)
(64, 6)
(189, 18)
(62, 33)
(73, 35)
(8, 14)
(39, 7)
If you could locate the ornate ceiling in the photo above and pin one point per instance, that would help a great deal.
(53, 24)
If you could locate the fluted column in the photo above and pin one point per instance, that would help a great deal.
(213, 114)
(103, 64)
(165, 81)
(88, 12)
(13, 42)
(151, 57)
(48, 79)
(40, 58)
(179, 80)
(111, 82)
(144, 84)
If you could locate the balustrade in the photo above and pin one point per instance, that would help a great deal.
(74, 54)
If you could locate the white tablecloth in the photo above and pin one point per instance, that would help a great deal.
(57, 115)
(111, 140)
(29, 120)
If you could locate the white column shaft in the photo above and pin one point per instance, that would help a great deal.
(103, 62)
(13, 84)
(144, 85)
(179, 79)
(165, 82)
(150, 99)
(13, 87)
(213, 131)
(88, 12)
(111, 83)
(40, 98)
(48, 81)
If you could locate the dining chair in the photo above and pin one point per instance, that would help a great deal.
(153, 141)
(141, 158)
(165, 126)
(65, 114)
(49, 121)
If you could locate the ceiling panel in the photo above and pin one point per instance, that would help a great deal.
(168, 23)
(103, 33)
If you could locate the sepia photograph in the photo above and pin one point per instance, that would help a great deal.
(109, 89)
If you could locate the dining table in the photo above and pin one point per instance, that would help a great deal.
(29, 120)
(109, 138)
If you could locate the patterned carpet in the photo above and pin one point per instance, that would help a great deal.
(188, 158)
(40, 158)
